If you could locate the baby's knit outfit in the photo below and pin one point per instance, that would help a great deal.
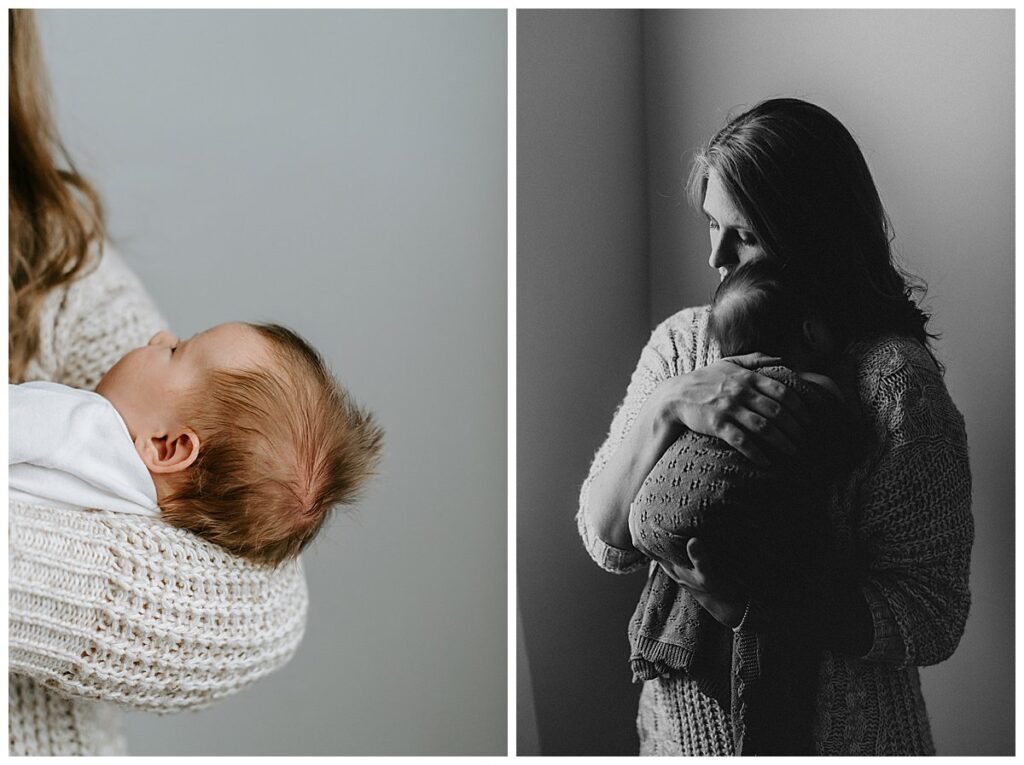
(111, 608)
(769, 525)
(903, 511)
(70, 448)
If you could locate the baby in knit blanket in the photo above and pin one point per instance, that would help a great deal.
(239, 434)
(768, 526)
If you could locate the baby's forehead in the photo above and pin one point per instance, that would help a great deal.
(235, 344)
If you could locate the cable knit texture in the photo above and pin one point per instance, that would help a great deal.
(904, 510)
(108, 608)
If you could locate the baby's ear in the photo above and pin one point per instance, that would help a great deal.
(818, 337)
(168, 453)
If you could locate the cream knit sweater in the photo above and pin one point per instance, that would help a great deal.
(906, 510)
(125, 609)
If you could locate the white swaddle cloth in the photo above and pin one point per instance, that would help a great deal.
(70, 447)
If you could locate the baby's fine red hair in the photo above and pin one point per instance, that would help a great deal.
(279, 447)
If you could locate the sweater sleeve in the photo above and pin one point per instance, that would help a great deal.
(102, 316)
(58, 588)
(670, 351)
(130, 610)
(915, 528)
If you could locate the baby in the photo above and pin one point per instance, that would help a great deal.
(239, 434)
(768, 526)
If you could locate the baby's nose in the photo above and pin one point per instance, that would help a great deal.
(162, 338)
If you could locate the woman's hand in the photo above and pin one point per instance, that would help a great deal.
(756, 415)
(694, 568)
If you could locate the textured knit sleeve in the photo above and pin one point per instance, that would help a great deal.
(102, 316)
(85, 329)
(130, 610)
(673, 349)
(915, 528)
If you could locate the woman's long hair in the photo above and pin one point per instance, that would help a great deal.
(801, 181)
(55, 215)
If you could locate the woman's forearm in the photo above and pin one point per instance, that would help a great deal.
(613, 489)
(726, 399)
(127, 609)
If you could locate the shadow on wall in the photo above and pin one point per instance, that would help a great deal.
(527, 735)
(582, 318)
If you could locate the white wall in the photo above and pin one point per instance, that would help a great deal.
(344, 173)
(929, 97)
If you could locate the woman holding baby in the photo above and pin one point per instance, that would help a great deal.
(786, 181)
(106, 607)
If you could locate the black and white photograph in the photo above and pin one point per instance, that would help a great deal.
(765, 376)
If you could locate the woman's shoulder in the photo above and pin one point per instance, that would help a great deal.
(901, 387)
(890, 354)
(683, 339)
(891, 361)
(90, 323)
(688, 319)
(108, 276)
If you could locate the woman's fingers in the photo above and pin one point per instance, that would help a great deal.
(766, 434)
(769, 397)
(779, 418)
(756, 415)
(782, 394)
(780, 406)
(695, 552)
(754, 361)
(676, 573)
(744, 442)
(693, 566)
(680, 567)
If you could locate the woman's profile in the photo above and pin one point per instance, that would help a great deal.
(106, 608)
(786, 181)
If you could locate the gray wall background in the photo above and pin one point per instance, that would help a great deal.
(344, 173)
(929, 97)
(582, 312)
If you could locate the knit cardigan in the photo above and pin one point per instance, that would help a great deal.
(110, 609)
(772, 524)
(904, 510)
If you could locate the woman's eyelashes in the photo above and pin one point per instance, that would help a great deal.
(745, 238)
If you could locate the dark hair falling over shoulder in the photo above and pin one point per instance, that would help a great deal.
(802, 182)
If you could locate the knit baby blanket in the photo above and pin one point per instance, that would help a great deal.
(769, 527)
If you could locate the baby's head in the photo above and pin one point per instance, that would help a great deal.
(248, 437)
(760, 307)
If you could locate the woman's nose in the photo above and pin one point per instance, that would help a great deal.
(721, 255)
